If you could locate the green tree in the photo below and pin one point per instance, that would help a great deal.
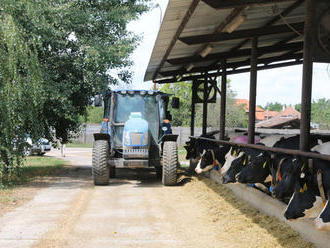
(320, 112)
(21, 87)
(276, 106)
(182, 90)
(235, 117)
(54, 56)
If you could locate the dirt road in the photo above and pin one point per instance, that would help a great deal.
(135, 210)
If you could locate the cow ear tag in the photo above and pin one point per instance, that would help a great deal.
(264, 165)
(235, 153)
(305, 187)
(244, 162)
(302, 190)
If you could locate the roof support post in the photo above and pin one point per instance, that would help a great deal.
(306, 89)
(205, 96)
(253, 90)
(223, 100)
(192, 120)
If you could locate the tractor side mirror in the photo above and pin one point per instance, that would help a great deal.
(175, 102)
(98, 101)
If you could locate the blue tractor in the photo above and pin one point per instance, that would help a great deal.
(136, 133)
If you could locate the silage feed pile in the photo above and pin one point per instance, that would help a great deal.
(236, 223)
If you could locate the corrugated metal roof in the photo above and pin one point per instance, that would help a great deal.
(205, 20)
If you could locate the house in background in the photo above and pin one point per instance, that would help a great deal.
(288, 118)
(261, 115)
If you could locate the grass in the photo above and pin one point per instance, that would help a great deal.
(36, 166)
(79, 145)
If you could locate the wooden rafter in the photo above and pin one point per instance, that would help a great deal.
(225, 4)
(242, 34)
(236, 54)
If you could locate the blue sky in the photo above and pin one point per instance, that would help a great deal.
(282, 85)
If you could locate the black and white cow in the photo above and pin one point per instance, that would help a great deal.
(244, 157)
(195, 147)
(257, 170)
(283, 173)
(212, 158)
(310, 183)
(275, 165)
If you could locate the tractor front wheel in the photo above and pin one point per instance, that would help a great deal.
(100, 162)
(170, 163)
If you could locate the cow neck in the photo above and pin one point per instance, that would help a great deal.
(320, 186)
(278, 175)
(215, 161)
(278, 172)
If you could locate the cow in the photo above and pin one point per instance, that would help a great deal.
(236, 165)
(257, 170)
(309, 184)
(275, 165)
(284, 178)
(211, 158)
(195, 147)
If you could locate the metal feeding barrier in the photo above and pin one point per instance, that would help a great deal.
(269, 149)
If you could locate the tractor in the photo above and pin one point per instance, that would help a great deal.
(135, 133)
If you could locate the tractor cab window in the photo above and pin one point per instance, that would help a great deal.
(126, 104)
(145, 104)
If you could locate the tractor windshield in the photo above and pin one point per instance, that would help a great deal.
(126, 104)
(145, 104)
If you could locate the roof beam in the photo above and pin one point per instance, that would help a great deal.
(225, 4)
(234, 65)
(216, 74)
(242, 34)
(236, 54)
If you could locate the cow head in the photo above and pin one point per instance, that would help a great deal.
(284, 175)
(206, 162)
(302, 200)
(235, 167)
(195, 147)
(257, 170)
(211, 158)
(322, 222)
(231, 155)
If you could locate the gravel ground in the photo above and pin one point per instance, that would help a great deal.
(135, 210)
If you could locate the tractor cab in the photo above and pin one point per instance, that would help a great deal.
(136, 125)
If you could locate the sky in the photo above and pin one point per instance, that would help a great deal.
(282, 84)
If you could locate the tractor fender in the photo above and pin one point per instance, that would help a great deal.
(101, 136)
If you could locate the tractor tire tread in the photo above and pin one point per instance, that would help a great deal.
(170, 163)
(100, 159)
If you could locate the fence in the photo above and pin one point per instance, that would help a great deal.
(86, 134)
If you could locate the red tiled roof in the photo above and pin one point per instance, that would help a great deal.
(246, 103)
(261, 114)
(284, 117)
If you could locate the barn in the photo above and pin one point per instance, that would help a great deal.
(201, 40)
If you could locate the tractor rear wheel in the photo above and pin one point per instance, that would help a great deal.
(170, 163)
(100, 162)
